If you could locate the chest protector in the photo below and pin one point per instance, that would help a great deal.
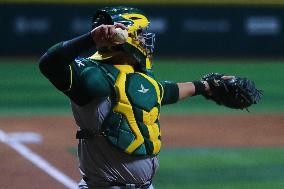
(133, 122)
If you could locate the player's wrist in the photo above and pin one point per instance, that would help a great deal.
(201, 87)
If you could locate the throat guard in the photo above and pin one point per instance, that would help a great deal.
(133, 123)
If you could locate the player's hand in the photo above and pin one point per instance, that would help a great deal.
(207, 86)
(103, 34)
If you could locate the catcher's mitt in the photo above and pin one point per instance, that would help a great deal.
(235, 92)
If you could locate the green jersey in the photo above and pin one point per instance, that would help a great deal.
(132, 123)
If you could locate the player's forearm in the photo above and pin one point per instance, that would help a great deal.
(185, 90)
(62, 54)
(188, 89)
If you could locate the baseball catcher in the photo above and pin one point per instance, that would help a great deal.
(116, 99)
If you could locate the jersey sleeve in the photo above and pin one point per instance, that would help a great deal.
(87, 83)
(56, 70)
(170, 92)
(55, 64)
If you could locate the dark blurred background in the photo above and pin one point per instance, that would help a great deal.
(184, 28)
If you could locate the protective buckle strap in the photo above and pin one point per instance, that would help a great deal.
(133, 186)
(130, 186)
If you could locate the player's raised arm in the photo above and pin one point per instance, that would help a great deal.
(55, 63)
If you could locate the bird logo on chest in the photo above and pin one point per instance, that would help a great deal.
(143, 89)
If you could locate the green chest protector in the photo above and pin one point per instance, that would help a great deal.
(132, 124)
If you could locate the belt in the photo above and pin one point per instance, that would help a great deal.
(146, 185)
(88, 134)
(130, 186)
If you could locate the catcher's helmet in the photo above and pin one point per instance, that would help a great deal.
(140, 43)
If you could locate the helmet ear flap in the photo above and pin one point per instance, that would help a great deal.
(101, 17)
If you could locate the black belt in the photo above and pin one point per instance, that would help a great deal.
(141, 186)
(88, 134)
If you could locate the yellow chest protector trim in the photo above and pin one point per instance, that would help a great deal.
(149, 119)
(125, 107)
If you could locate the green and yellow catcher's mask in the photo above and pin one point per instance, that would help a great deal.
(140, 43)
